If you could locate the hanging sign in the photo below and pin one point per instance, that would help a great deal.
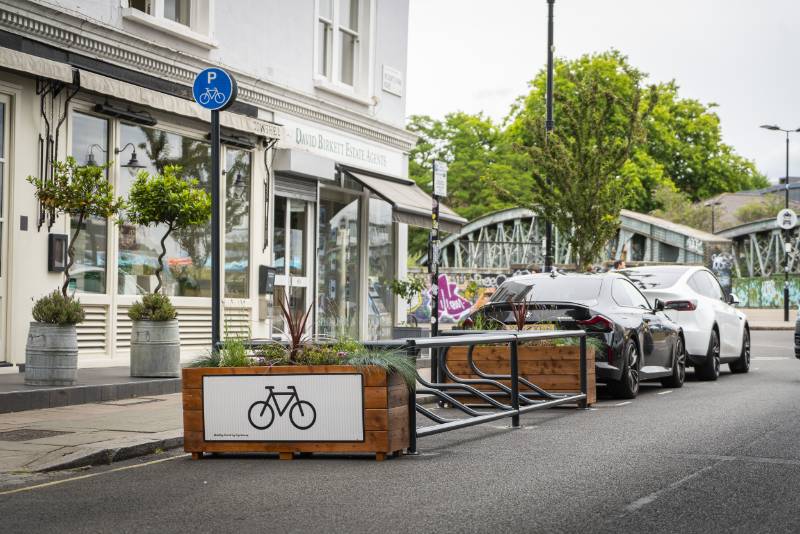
(440, 178)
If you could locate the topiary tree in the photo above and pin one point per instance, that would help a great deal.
(76, 191)
(168, 199)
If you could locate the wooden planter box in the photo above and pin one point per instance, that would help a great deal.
(353, 410)
(554, 369)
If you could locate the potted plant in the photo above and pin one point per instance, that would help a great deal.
(408, 290)
(169, 200)
(51, 355)
(301, 396)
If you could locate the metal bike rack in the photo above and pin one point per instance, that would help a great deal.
(519, 403)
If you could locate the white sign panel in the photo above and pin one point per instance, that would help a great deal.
(392, 80)
(787, 219)
(283, 407)
(440, 178)
(341, 148)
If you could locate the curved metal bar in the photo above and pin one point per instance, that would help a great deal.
(523, 381)
(432, 416)
(464, 387)
(457, 404)
(452, 376)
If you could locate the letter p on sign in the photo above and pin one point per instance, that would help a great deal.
(211, 76)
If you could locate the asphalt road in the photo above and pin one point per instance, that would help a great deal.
(710, 457)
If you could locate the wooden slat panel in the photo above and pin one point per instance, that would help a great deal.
(374, 441)
(192, 399)
(193, 420)
(376, 419)
(399, 437)
(398, 396)
(375, 398)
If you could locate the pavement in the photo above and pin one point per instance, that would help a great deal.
(769, 318)
(718, 456)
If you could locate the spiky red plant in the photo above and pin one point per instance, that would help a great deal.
(295, 327)
(520, 311)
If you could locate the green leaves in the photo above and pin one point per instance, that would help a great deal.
(55, 308)
(168, 199)
(153, 307)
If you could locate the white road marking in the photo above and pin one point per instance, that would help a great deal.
(91, 475)
(664, 392)
(618, 404)
(647, 499)
(770, 358)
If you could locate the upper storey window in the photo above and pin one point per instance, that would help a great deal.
(190, 20)
(342, 46)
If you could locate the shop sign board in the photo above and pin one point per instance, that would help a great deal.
(342, 148)
(392, 80)
(290, 407)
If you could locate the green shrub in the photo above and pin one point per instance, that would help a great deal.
(55, 308)
(153, 307)
(233, 353)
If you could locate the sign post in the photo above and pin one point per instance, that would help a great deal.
(439, 191)
(215, 90)
(786, 220)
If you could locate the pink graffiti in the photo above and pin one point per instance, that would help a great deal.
(450, 302)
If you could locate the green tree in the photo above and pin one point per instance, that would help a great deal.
(576, 175)
(685, 137)
(167, 199)
(676, 206)
(80, 193)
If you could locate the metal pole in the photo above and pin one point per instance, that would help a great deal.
(514, 383)
(433, 266)
(548, 127)
(216, 255)
(785, 254)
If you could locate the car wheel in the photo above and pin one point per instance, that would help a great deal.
(709, 370)
(742, 365)
(628, 385)
(675, 380)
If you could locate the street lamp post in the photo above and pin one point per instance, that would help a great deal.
(548, 127)
(786, 189)
(712, 204)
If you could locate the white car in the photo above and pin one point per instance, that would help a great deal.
(715, 332)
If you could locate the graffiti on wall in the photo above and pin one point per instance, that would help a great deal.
(765, 292)
(722, 266)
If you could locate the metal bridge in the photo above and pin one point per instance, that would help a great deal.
(503, 240)
(758, 249)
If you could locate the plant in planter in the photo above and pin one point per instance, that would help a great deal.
(79, 193)
(303, 395)
(408, 290)
(169, 200)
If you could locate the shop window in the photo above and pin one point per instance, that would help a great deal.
(339, 264)
(380, 303)
(237, 223)
(187, 270)
(89, 147)
(341, 54)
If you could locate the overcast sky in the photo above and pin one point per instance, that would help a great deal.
(475, 56)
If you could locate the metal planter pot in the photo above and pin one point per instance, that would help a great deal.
(155, 349)
(51, 355)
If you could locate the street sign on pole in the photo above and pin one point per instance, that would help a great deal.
(439, 178)
(215, 90)
(786, 219)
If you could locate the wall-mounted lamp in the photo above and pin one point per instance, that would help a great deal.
(90, 161)
(133, 163)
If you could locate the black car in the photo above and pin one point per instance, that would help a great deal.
(639, 341)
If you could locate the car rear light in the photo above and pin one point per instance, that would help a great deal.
(681, 305)
(597, 323)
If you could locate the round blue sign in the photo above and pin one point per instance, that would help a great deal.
(214, 89)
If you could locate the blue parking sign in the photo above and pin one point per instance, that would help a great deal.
(214, 89)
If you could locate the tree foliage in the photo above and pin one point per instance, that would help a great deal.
(676, 206)
(78, 192)
(167, 199)
(577, 173)
(765, 208)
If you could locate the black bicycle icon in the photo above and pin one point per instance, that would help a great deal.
(212, 93)
(302, 413)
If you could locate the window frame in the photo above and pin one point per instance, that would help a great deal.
(361, 90)
(198, 32)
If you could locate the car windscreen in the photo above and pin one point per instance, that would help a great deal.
(653, 278)
(548, 289)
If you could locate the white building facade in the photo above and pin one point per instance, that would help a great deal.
(314, 161)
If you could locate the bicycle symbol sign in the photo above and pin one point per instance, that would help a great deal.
(214, 89)
(302, 414)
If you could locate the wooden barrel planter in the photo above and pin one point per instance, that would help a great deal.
(295, 409)
(555, 369)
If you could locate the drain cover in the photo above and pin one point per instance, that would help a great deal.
(27, 434)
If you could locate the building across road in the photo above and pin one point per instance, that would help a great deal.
(314, 156)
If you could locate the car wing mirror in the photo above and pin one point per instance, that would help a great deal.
(732, 299)
(658, 305)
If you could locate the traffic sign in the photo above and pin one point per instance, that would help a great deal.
(439, 178)
(787, 219)
(214, 89)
